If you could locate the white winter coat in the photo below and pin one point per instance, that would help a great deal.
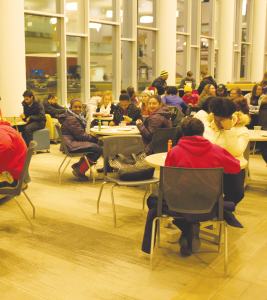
(248, 97)
(234, 140)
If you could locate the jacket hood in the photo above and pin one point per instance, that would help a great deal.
(4, 123)
(63, 117)
(164, 111)
(196, 145)
(238, 120)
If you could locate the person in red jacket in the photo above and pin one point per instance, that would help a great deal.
(13, 152)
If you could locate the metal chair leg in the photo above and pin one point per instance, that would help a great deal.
(113, 204)
(23, 212)
(159, 233)
(60, 175)
(33, 207)
(152, 242)
(225, 249)
(91, 170)
(144, 200)
(220, 238)
(98, 200)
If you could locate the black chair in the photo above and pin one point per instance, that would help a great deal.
(22, 183)
(191, 191)
(262, 121)
(161, 137)
(174, 110)
(126, 145)
(70, 155)
(191, 111)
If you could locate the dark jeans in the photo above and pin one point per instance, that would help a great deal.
(96, 149)
(28, 130)
(233, 186)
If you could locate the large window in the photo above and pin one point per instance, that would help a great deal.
(102, 57)
(75, 16)
(49, 6)
(102, 10)
(126, 63)
(146, 13)
(146, 58)
(42, 44)
(181, 16)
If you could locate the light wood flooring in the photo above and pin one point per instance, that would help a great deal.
(75, 253)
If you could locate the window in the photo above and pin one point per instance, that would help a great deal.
(50, 6)
(126, 64)
(102, 10)
(146, 13)
(181, 16)
(180, 57)
(75, 16)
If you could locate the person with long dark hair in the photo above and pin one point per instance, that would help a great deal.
(255, 96)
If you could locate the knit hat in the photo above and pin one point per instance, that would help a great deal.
(76, 99)
(163, 73)
(187, 88)
(147, 92)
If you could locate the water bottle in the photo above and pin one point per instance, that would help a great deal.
(169, 145)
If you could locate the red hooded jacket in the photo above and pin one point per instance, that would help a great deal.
(198, 152)
(13, 151)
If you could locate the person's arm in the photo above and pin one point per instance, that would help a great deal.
(77, 130)
(136, 116)
(230, 164)
(164, 99)
(41, 113)
(184, 105)
(201, 87)
(152, 124)
(182, 84)
(170, 159)
(248, 96)
(5, 152)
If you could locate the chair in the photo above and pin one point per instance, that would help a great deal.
(70, 155)
(161, 137)
(54, 136)
(125, 145)
(42, 139)
(22, 183)
(174, 110)
(191, 191)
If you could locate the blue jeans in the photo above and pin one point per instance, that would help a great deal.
(96, 149)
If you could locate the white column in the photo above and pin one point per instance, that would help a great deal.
(167, 39)
(12, 57)
(258, 39)
(225, 40)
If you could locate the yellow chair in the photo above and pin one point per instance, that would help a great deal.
(54, 136)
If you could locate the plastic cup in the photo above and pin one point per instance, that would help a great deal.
(257, 127)
(105, 123)
(123, 123)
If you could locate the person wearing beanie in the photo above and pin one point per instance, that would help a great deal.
(188, 79)
(146, 94)
(189, 98)
(160, 82)
(126, 111)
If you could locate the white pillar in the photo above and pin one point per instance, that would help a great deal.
(12, 57)
(258, 39)
(167, 39)
(225, 40)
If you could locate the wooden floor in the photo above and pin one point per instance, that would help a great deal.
(75, 253)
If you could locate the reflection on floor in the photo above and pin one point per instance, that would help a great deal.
(74, 253)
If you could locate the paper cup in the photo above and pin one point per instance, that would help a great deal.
(257, 127)
(105, 123)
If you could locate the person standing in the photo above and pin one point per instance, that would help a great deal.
(188, 78)
(206, 79)
(33, 115)
(160, 82)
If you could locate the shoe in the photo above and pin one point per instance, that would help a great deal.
(76, 172)
(74, 166)
(184, 248)
(194, 237)
(100, 170)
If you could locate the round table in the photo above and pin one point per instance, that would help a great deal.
(157, 160)
(115, 130)
(257, 135)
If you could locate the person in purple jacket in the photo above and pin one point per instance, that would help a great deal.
(173, 100)
(77, 140)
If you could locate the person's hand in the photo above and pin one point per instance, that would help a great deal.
(226, 123)
(190, 104)
(28, 120)
(127, 119)
(138, 121)
(111, 123)
(22, 116)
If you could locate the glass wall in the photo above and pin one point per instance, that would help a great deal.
(75, 16)
(102, 57)
(126, 64)
(146, 58)
(146, 13)
(102, 10)
(42, 43)
(49, 6)
(181, 16)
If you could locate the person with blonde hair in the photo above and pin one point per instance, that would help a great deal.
(206, 79)
(146, 94)
(92, 105)
(208, 91)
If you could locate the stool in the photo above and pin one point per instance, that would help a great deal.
(42, 137)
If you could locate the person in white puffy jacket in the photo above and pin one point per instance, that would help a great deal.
(226, 128)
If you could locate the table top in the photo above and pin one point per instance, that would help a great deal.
(17, 123)
(115, 130)
(104, 118)
(157, 160)
(257, 135)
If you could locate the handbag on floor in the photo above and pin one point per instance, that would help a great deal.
(132, 168)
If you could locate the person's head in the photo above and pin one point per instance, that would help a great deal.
(130, 91)
(145, 96)
(192, 126)
(98, 94)
(155, 102)
(204, 73)
(172, 90)
(256, 91)
(235, 93)
(206, 104)
(221, 90)
(164, 75)
(106, 98)
(188, 90)
(125, 99)
(209, 90)
(189, 75)
(28, 97)
(76, 106)
(222, 108)
(52, 98)
(165, 90)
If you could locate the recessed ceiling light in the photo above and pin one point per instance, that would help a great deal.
(146, 19)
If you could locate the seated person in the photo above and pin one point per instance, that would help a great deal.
(189, 98)
(77, 140)
(126, 111)
(239, 100)
(160, 82)
(221, 90)
(192, 151)
(203, 114)
(208, 91)
(255, 96)
(160, 118)
(106, 106)
(146, 94)
(33, 114)
(13, 151)
(189, 77)
(227, 128)
(51, 107)
(173, 100)
(92, 105)
(134, 97)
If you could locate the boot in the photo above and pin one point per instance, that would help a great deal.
(193, 238)
(76, 172)
(184, 248)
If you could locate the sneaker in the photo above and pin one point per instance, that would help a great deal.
(76, 172)
(74, 166)
(194, 234)
(184, 248)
